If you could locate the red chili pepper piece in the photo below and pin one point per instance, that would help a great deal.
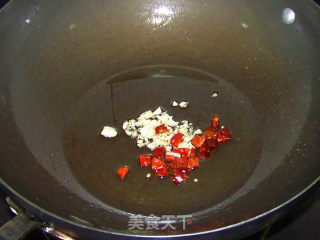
(223, 135)
(193, 162)
(180, 175)
(172, 164)
(156, 164)
(162, 172)
(193, 152)
(161, 129)
(176, 139)
(215, 121)
(209, 132)
(145, 160)
(212, 144)
(204, 151)
(204, 154)
(181, 162)
(162, 164)
(122, 172)
(182, 151)
(159, 151)
(197, 141)
(169, 158)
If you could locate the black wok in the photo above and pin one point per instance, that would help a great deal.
(70, 67)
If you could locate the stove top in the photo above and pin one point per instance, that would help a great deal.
(303, 223)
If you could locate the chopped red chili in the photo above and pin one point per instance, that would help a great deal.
(212, 144)
(209, 132)
(182, 151)
(181, 162)
(223, 135)
(215, 121)
(193, 162)
(159, 152)
(145, 160)
(161, 129)
(197, 141)
(163, 164)
(122, 172)
(157, 163)
(169, 158)
(204, 151)
(162, 172)
(204, 154)
(180, 175)
(176, 139)
(193, 152)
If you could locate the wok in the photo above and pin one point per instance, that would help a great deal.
(70, 67)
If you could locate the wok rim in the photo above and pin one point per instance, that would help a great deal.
(29, 204)
(32, 207)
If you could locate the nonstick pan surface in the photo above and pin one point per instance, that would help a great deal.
(69, 68)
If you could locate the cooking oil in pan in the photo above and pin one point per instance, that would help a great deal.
(94, 160)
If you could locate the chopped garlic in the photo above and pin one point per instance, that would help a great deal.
(109, 132)
(174, 104)
(188, 138)
(132, 122)
(143, 130)
(134, 134)
(198, 131)
(146, 115)
(168, 148)
(214, 94)
(128, 132)
(196, 180)
(183, 104)
(157, 111)
(148, 175)
(125, 125)
(185, 145)
(152, 146)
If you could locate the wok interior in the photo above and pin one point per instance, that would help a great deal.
(94, 160)
(62, 88)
